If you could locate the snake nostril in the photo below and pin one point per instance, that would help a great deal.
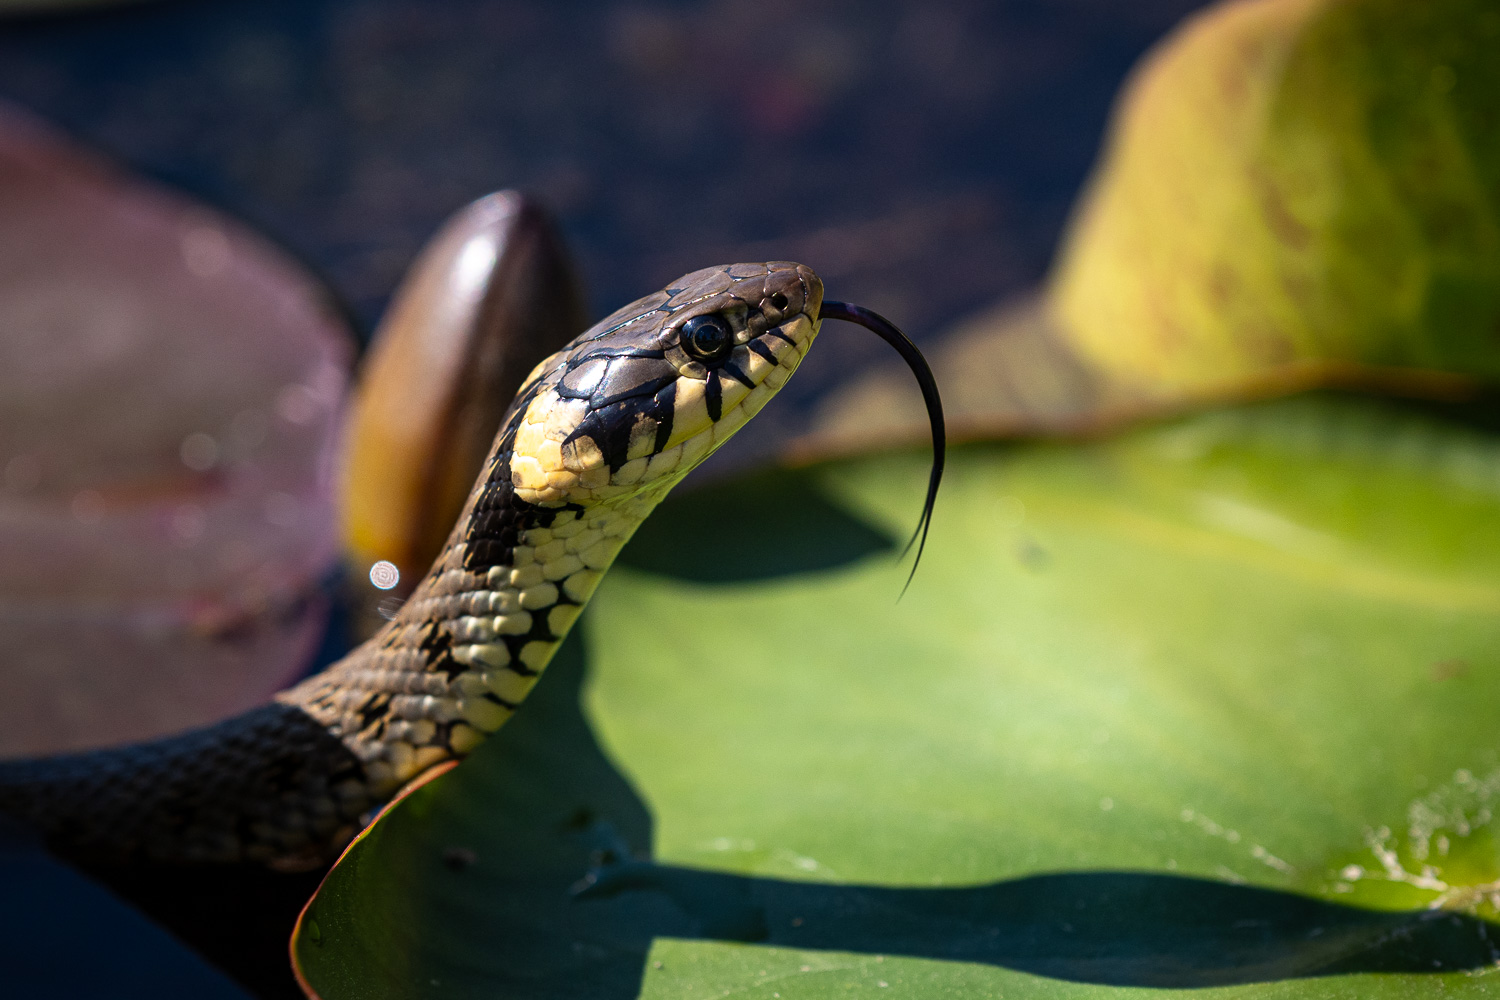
(778, 300)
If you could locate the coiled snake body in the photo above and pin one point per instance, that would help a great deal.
(597, 436)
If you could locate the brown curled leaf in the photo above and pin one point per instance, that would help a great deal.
(492, 294)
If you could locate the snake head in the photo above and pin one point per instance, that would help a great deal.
(642, 397)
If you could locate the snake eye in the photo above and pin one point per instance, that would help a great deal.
(707, 338)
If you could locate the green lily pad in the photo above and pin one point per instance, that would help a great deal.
(1207, 707)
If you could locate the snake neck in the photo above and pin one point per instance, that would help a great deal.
(467, 647)
(289, 784)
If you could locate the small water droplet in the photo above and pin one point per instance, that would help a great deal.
(314, 932)
(199, 451)
(384, 574)
(297, 404)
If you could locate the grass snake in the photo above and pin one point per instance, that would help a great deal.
(596, 437)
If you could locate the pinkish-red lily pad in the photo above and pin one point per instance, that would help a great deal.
(170, 392)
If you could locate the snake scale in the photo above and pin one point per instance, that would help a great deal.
(596, 437)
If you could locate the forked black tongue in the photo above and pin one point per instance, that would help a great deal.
(892, 335)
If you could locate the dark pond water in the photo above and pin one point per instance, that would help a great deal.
(921, 156)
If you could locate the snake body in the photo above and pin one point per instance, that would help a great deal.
(596, 437)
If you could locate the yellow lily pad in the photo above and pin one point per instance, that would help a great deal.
(1296, 191)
